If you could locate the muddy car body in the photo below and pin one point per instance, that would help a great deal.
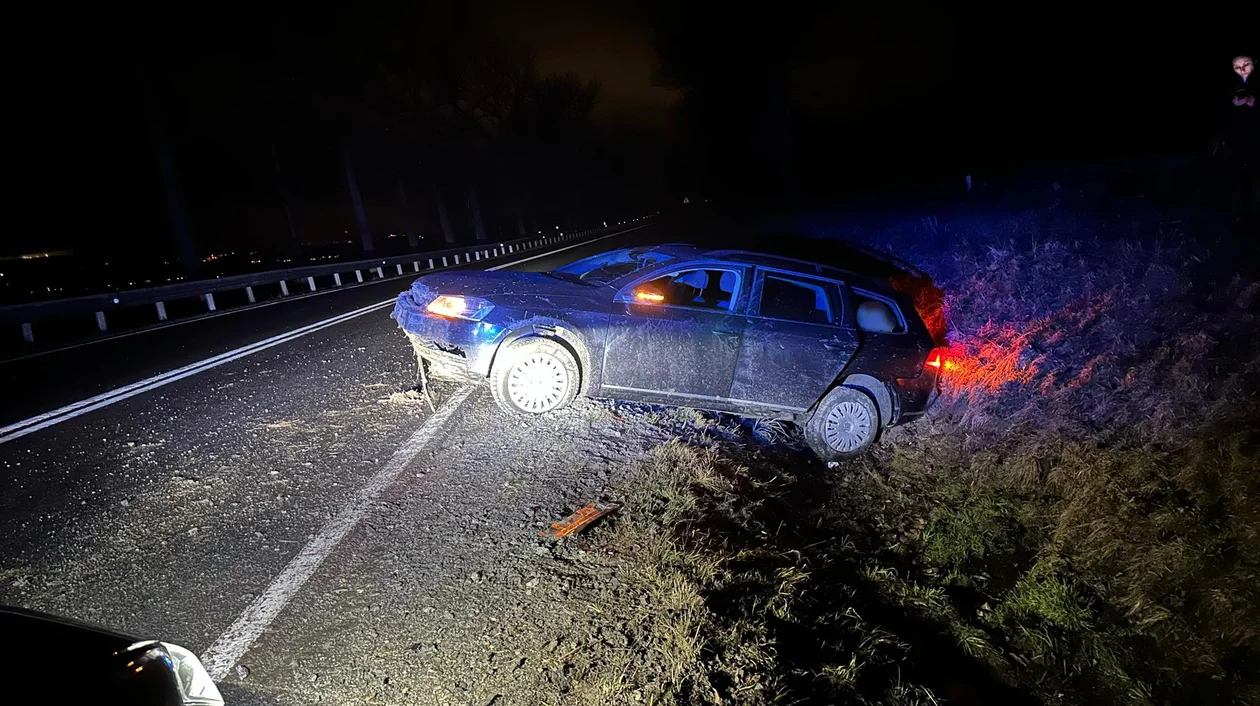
(753, 334)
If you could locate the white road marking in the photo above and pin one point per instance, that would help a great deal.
(17, 430)
(70, 411)
(228, 649)
(570, 247)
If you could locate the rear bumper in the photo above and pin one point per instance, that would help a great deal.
(454, 348)
(915, 396)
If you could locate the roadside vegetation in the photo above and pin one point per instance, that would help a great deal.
(1078, 520)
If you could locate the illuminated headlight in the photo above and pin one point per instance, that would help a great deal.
(470, 308)
(195, 684)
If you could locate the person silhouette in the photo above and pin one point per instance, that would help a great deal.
(1241, 146)
(1244, 90)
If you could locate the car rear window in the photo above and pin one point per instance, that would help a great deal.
(877, 314)
(794, 299)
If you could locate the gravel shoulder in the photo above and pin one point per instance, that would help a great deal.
(445, 593)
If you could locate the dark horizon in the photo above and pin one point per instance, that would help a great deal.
(793, 105)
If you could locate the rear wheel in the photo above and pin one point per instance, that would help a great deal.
(533, 376)
(844, 425)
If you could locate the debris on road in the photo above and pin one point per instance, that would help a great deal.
(412, 396)
(575, 522)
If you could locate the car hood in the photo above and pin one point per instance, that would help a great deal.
(27, 627)
(490, 284)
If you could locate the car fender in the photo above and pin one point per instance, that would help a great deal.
(878, 391)
(555, 329)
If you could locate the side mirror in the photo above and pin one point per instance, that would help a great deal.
(648, 295)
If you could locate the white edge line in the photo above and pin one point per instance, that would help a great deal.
(221, 656)
(44, 420)
(181, 372)
(303, 296)
(166, 379)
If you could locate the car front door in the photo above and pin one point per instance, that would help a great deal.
(675, 337)
(794, 343)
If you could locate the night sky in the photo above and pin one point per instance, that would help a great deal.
(810, 101)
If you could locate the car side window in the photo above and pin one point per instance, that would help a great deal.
(704, 288)
(877, 314)
(792, 299)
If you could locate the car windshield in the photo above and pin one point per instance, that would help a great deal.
(606, 267)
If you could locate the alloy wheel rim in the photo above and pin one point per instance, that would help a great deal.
(537, 383)
(847, 426)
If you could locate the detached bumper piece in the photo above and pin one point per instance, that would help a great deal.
(578, 520)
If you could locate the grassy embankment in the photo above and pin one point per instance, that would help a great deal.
(1077, 521)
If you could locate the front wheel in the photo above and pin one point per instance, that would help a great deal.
(844, 425)
(533, 376)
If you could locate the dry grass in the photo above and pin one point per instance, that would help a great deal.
(1077, 521)
(1099, 433)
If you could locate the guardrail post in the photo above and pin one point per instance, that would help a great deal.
(337, 278)
(379, 274)
(284, 288)
(161, 309)
(430, 263)
(415, 266)
(210, 300)
(443, 261)
(456, 259)
(249, 292)
(399, 266)
(358, 275)
(27, 334)
(478, 254)
(485, 254)
(310, 282)
(100, 321)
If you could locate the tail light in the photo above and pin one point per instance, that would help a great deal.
(936, 359)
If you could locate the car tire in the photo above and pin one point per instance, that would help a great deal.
(844, 425)
(533, 376)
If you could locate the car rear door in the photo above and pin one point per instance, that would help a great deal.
(675, 337)
(795, 342)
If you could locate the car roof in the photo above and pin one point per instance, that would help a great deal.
(805, 267)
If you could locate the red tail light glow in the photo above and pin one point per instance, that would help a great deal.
(936, 359)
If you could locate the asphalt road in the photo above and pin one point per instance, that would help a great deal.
(205, 512)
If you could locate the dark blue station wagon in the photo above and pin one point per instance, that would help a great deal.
(842, 355)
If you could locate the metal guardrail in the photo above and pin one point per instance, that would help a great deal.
(100, 305)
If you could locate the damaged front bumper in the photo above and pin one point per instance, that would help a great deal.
(451, 348)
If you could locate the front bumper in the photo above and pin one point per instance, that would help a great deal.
(453, 348)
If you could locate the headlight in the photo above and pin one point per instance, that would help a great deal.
(194, 682)
(470, 308)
